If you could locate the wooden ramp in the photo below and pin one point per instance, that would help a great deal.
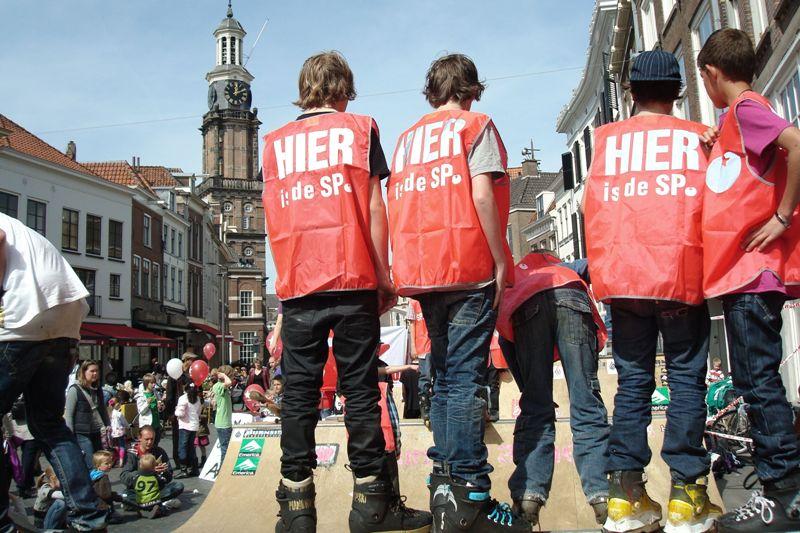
(243, 496)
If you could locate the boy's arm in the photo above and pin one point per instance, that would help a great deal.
(486, 208)
(379, 234)
(276, 334)
(2, 260)
(412, 333)
(764, 235)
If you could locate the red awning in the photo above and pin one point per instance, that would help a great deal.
(90, 338)
(205, 328)
(126, 336)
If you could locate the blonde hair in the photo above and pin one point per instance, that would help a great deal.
(49, 477)
(102, 457)
(325, 79)
(147, 462)
(81, 378)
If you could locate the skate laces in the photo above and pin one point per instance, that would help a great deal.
(756, 505)
(399, 504)
(501, 514)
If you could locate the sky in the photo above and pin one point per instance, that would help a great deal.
(125, 78)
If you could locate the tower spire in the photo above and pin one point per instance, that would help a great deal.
(230, 10)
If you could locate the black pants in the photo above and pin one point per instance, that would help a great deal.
(307, 321)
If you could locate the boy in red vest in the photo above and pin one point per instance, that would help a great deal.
(448, 209)
(752, 262)
(651, 168)
(551, 310)
(327, 230)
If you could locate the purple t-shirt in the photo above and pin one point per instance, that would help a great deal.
(760, 128)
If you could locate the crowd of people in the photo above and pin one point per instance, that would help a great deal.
(448, 205)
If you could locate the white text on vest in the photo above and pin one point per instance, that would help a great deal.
(306, 152)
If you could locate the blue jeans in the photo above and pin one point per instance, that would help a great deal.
(753, 323)
(460, 324)
(88, 445)
(186, 452)
(40, 371)
(685, 331)
(559, 318)
(56, 517)
(224, 437)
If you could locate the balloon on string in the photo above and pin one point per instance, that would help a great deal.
(209, 350)
(198, 372)
(249, 402)
(174, 368)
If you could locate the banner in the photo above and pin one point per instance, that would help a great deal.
(397, 338)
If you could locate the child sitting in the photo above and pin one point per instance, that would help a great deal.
(148, 493)
(49, 509)
(103, 461)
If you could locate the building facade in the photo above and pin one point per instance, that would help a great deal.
(232, 187)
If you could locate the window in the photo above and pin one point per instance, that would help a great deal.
(172, 241)
(146, 239)
(247, 351)
(146, 278)
(180, 286)
(114, 285)
(137, 272)
(790, 100)
(758, 12)
(509, 237)
(224, 50)
(732, 9)
(248, 208)
(245, 222)
(164, 271)
(115, 239)
(180, 244)
(227, 207)
(69, 230)
(576, 154)
(8, 204)
(37, 216)
(587, 145)
(94, 225)
(233, 50)
(172, 284)
(649, 31)
(87, 277)
(245, 304)
(702, 27)
(666, 9)
(164, 238)
(155, 293)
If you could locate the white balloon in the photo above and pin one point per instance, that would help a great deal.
(174, 368)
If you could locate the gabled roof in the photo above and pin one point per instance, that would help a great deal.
(119, 172)
(525, 189)
(158, 176)
(21, 140)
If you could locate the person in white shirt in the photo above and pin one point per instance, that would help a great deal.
(42, 306)
(188, 414)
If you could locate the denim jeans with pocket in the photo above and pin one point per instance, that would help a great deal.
(685, 332)
(460, 325)
(753, 324)
(557, 318)
(39, 370)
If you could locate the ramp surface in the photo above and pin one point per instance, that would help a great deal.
(243, 496)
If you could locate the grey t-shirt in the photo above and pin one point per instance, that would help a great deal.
(486, 156)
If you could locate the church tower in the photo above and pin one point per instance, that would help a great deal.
(232, 187)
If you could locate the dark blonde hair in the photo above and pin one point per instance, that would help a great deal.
(147, 461)
(325, 79)
(102, 457)
(452, 77)
(81, 377)
(48, 476)
(147, 379)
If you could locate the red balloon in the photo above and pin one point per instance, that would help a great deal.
(198, 372)
(249, 402)
(209, 350)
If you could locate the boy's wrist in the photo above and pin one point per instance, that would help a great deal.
(786, 221)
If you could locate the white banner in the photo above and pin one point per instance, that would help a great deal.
(214, 459)
(396, 337)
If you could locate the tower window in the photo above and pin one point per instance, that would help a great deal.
(224, 50)
(233, 50)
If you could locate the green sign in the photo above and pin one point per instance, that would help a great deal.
(660, 397)
(246, 466)
(251, 447)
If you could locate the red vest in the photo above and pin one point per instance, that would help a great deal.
(316, 202)
(538, 272)
(643, 208)
(736, 200)
(422, 341)
(437, 239)
(496, 357)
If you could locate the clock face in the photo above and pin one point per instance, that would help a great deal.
(212, 96)
(237, 92)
